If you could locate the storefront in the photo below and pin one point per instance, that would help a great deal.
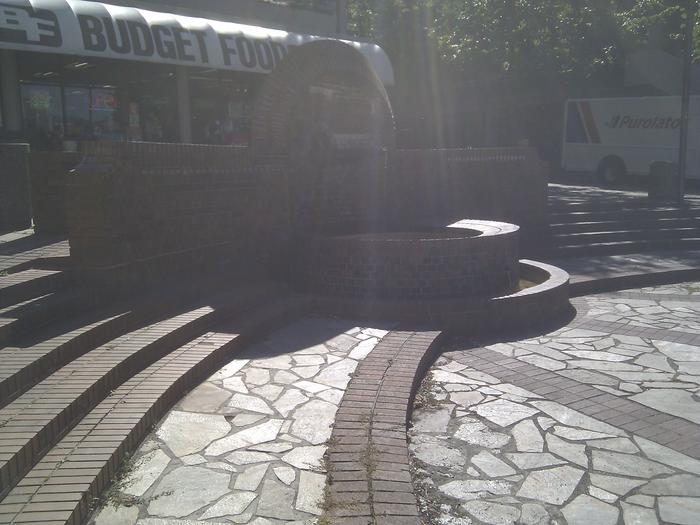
(72, 70)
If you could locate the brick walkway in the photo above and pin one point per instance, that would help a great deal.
(370, 480)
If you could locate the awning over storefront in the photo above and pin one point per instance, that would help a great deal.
(82, 28)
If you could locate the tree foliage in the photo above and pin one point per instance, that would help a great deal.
(576, 40)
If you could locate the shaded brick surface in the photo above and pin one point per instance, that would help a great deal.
(15, 204)
(24, 285)
(501, 184)
(139, 212)
(413, 265)
(48, 172)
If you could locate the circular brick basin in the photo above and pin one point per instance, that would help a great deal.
(467, 259)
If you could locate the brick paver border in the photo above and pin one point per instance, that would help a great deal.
(674, 432)
(370, 482)
(656, 296)
(625, 328)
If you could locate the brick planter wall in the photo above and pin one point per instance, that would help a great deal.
(471, 259)
(502, 184)
(15, 204)
(142, 211)
(49, 176)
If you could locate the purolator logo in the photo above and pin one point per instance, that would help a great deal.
(631, 122)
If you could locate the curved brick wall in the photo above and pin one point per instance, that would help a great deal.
(467, 259)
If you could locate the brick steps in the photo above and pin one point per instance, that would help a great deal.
(625, 247)
(30, 250)
(43, 263)
(28, 284)
(592, 213)
(60, 488)
(10, 316)
(32, 358)
(607, 227)
(36, 419)
(32, 314)
(634, 234)
(24, 366)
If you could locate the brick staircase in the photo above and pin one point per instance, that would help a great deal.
(80, 391)
(32, 252)
(603, 222)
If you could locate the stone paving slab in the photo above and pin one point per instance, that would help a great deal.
(488, 451)
(550, 428)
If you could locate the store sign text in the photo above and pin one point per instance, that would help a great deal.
(94, 29)
(26, 25)
(174, 43)
(114, 36)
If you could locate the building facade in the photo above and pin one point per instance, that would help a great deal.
(149, 70)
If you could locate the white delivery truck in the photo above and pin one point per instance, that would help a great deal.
(613, 137)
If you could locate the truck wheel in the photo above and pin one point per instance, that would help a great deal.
(611, 170)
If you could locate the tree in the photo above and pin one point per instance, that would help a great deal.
(479, 48)
(575, 39)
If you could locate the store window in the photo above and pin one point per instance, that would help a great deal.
(77, 104)
(103, 114)
(149, 96)
(43, 115)
(66, 99)
(222, 107)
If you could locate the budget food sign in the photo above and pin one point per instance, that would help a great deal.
(82, 28)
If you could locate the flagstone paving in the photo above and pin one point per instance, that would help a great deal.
(248, 445)
(661, 374)
(486, 450)
(509, 456)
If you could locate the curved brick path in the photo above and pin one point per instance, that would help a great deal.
(369, 479)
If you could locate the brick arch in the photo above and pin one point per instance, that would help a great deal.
(281, 113)
(326, 117)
